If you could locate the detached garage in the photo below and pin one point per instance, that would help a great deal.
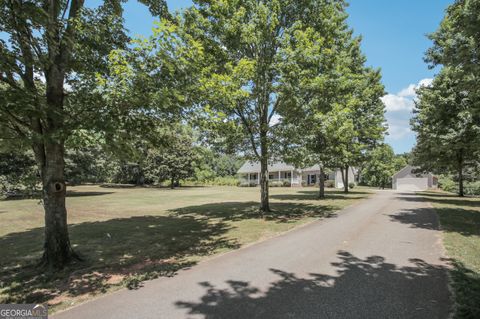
(407, 180)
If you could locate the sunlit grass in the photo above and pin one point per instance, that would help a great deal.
(460, 222)
(127, 235)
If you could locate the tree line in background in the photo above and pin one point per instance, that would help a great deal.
(277, 79)
(447, 113)
(169, 165)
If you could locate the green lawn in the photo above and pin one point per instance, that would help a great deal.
(460, 222)
(127, 235)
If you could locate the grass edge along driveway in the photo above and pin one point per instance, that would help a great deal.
(460, 224)
(127, 236)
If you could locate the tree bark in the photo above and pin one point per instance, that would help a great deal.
(264, 202)
(321, 191)
(345, 184)
(460, 174)
(264, 127)
(172, 182)
(57, 249)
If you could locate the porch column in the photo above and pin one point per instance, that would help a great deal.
(258, 178)
(291, 178)
(248, 178)
(278, 175)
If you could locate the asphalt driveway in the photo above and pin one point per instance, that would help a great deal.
(381, 258)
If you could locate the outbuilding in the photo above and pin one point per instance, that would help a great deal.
(407, 179)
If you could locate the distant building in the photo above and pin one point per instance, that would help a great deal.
(407, 179)
(280, 171)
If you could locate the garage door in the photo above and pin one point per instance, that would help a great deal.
(412, 184)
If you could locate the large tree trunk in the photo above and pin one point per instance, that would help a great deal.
(57, 249)
(345, 183)
(321, 191)
(264, 203)
(460, 174)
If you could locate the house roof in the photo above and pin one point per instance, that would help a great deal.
(254, 167)
(409, 169)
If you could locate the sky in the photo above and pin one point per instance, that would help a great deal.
(394, 39)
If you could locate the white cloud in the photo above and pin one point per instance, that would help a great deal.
(425, 82)
(398, 129)
(409, 91)
(399, 109)
(394, 102)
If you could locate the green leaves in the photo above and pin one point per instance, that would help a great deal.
(446, 124)
(381, 165)
(332, 112)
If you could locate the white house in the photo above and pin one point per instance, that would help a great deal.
(279, 171)
(407, 180)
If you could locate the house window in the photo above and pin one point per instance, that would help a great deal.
(270, 176)
(287, 175)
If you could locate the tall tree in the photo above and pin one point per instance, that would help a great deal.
(48, 65)
(339, 103)
(248, 44)
(174, 161)
(456, 43)
(447, 127)
(380, 167)
(367, 116)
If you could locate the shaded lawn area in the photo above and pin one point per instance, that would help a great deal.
(460, 222)
(129, 235)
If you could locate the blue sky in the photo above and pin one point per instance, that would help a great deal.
(394, 39)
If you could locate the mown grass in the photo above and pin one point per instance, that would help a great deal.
(460, 222)
(129, 235)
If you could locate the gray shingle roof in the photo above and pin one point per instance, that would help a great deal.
(407, 170)
(254, 167)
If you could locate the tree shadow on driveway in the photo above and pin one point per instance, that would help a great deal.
(363, 288)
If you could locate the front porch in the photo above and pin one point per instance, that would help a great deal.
(291, 178)
(287, 178)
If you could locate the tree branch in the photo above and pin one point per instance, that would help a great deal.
(274, 109)
(249, 129)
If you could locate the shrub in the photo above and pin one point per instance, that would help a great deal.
(276, 184)
(447, 184)
(114, 185)
(18, 175)
(472, 188)
(329, 183)
(287, 183)
(351, 185)
(221, 181)
(246, 184)
(304, 183)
